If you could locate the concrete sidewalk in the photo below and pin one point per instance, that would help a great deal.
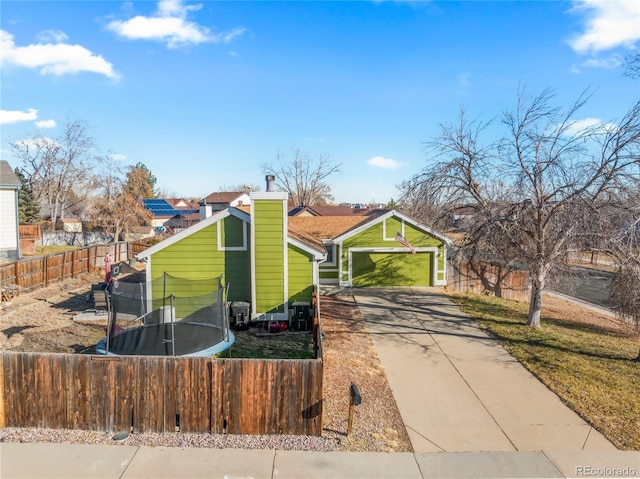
(457, 389)
(66, 461)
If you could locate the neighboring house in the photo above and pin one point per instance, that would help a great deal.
(264, 261)
(70, 225)
(137, 233)
(9, 219)
(218, 201)
(366, 251)
(181, 204)
(162, 211)
(332, 210)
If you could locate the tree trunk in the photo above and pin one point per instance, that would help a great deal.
(535, 306)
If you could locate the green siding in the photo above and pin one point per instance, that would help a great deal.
(232, 232)
(197, 257)
(329, 274)
(300, 275)
(391, 269)
(374, 237)
(268, 224)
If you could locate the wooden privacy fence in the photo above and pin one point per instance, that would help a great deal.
(159, 394)
(485, 278)
(34, 273)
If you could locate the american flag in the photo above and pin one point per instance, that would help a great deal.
(402, 240)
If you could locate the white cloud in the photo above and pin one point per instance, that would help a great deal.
(118, 156)
(52, 36)
(609, 24)
(608, 63)
(46, 124)
(8, 117)
(382, 162)
(53, 58)
(594, 125)
(170, 25)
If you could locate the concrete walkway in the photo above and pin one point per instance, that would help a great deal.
(456, 388)
(67, 461)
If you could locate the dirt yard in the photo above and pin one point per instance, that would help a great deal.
(42, 321)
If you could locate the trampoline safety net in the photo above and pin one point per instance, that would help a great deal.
(168, 316)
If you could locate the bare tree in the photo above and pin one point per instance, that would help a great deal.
(240, 187)
(632, 65)
(537, 188)
(304, 177)
(625, 247)
(55, 168)
(119, 206)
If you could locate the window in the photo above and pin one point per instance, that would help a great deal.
(330, 253)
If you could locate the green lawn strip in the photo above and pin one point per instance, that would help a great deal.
(50, 249)
(590, 368)
(277, 346)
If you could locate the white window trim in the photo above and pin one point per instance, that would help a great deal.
(335, 252)
(221, 247)
(384, 230)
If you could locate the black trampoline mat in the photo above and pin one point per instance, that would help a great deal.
(154, 339)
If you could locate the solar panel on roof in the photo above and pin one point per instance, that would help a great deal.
(159, 207)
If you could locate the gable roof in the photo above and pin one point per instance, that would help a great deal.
(294, 235)
(8, 176)
(194, 229)
(305, 239)
(225, 197)
(325, 227)
(330, 210)
(181, 203)
(374, 219)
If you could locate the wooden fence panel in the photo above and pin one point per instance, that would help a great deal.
(239, 396)
(55, 267)
(193, 394)
(8, 274)
(30, 274)
(33, 273)
(485, 278)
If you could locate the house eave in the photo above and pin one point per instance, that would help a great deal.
(219, 215)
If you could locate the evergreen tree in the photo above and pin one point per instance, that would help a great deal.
(28, 208)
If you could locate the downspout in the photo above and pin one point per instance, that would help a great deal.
(17, 224)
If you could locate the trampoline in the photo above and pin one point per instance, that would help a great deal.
(167, 317)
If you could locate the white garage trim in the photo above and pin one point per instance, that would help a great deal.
(429, 249)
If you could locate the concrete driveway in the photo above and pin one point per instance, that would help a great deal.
(457, 389)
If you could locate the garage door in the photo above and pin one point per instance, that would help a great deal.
(391, 269)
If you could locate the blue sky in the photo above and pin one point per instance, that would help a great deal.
(203, 93)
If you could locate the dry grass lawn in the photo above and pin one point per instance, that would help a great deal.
(585, 357)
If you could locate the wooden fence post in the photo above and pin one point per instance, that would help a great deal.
(3, 419)
(17, 273)
(73, 263)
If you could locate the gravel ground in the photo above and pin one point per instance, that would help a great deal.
(43, 321)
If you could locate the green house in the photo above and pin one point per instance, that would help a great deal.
(271, 260)
(263, 260)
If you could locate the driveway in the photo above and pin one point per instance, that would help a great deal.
(456, 388)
